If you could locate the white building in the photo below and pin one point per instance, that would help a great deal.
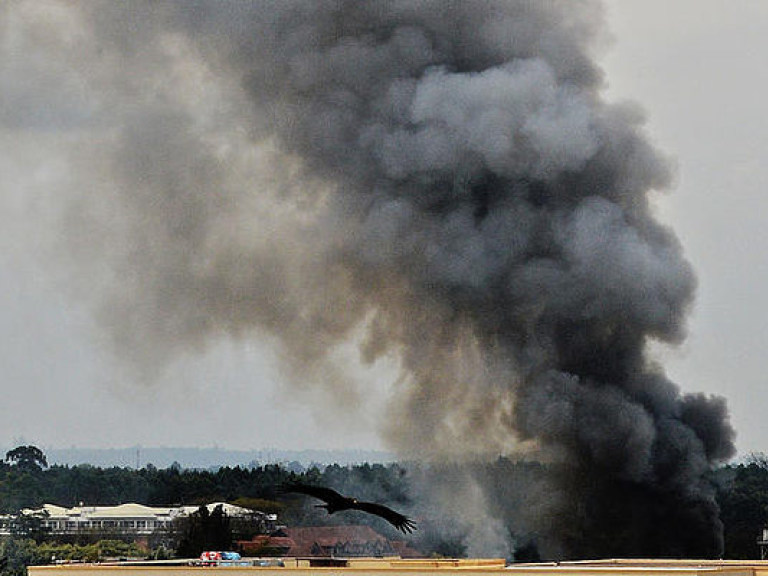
(126, 518)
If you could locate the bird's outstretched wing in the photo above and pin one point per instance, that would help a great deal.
(325, 494)
(402, 523)
(339, 502)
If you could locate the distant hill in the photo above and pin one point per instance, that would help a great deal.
(206, 458)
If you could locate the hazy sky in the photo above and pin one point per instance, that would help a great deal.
(696, 68)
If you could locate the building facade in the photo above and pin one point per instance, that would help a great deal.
(125, 519)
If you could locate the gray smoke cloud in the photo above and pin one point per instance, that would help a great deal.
(441, 183)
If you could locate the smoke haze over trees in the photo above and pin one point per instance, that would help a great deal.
(441, 185)
(742, 495)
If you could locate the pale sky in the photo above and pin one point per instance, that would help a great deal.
(698, 70)
(696, 67)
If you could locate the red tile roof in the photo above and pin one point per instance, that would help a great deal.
(321, 540)
(262, 545)
(326, 540)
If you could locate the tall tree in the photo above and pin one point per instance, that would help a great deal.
(29, 458)
(204, 530)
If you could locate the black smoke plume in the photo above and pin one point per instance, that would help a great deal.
(441, 183)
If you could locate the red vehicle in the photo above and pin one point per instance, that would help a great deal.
(216, 558)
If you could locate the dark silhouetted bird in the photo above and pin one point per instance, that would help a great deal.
(335, 502)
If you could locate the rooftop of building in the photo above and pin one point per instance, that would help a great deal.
(130, 510)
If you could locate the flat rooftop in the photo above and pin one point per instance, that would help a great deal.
(410, 567)
(289, 567)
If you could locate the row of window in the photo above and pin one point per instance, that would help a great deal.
(70, 525)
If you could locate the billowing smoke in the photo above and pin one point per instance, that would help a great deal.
(441, 183)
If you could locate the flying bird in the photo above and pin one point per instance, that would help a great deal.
(335, 502)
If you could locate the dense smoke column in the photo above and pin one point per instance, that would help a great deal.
(495, 218)
(447, 181)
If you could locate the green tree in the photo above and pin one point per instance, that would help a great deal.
(28, 458)
(204, 530)
(29, 525)
(743, 499)
(17, 555)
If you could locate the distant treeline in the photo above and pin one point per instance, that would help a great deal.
(27, 482)
(25, 487)
(209, 457)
